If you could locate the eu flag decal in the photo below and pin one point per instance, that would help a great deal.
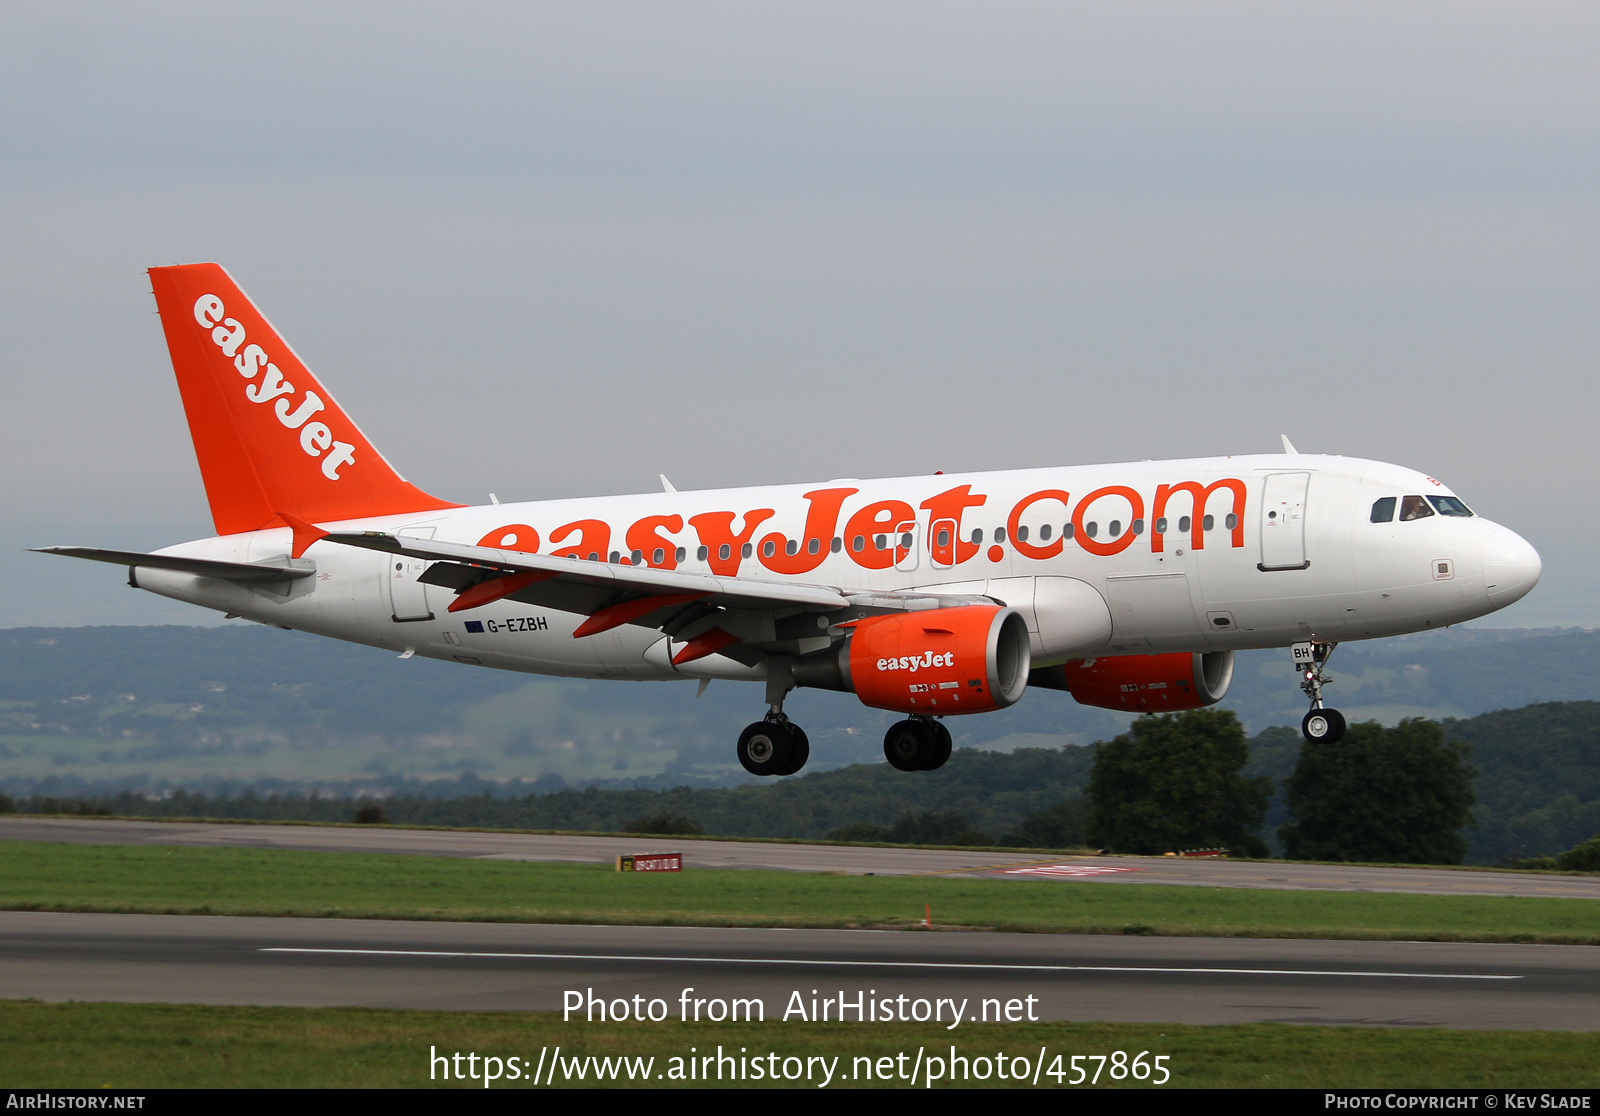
(474, 627)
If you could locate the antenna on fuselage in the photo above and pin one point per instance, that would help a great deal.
(666, 485)
(1288, 446)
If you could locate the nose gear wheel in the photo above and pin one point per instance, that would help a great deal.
(1323, 726)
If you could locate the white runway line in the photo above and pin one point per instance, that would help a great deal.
(988, 967)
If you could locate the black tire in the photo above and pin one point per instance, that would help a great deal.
(909, 745)
(765, 748)
(1323, 726)
(942, 747)
(799, 750)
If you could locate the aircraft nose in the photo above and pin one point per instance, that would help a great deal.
(1511, 567)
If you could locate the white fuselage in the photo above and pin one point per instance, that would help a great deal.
(1302, 561)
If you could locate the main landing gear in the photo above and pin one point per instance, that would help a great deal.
(1321, 725)
(775, 745)
(917, 744)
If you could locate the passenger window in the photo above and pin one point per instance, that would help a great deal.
(1183, 524)
(1067, 530)
(944, 537)
(1383, 510)
(1414, 507)
(836, 545)
(1449, 505)
(1044, 532)
(977, 534)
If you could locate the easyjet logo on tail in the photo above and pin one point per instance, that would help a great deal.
(316, 439)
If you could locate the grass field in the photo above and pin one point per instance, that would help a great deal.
(131, 1046)
(61, 877)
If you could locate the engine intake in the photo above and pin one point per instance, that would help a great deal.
(1143, 683)
(938, 662)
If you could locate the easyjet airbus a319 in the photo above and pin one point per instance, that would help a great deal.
(1129, 586)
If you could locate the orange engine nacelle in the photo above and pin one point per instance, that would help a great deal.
(1144, 683)
(940, 662)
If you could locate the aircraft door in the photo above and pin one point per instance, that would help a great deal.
(408, 597)
(906, 544)
(1283, 521)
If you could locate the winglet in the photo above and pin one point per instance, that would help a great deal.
(1288, 446)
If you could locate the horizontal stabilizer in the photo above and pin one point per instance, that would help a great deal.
(283, 569)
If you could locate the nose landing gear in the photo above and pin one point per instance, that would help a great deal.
(917, 744)
(1321, 725)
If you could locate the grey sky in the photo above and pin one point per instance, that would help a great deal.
(555, 250)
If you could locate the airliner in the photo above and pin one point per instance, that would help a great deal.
(1130, 586)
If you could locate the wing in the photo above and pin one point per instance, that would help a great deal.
(743, 618)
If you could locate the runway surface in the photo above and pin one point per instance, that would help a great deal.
(476, 966)
(1000, 863)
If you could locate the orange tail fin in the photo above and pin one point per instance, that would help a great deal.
(272, 442)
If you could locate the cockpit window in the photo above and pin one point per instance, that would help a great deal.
(1383, 510)
(1414, 507)
(1449, 505)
